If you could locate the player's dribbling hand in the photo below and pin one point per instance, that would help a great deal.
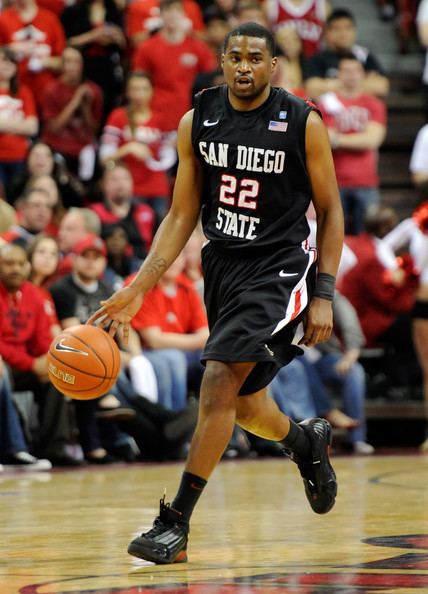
(118, 310)
(318, 322)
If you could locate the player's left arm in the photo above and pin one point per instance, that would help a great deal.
(326, 200)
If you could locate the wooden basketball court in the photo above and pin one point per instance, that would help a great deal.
(253, 532)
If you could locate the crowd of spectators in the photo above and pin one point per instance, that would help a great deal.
(91, 94)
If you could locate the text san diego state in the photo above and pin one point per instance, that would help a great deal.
(248, 158)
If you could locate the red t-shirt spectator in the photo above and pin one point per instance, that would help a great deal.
(182, 312)
(308, 19)
(172, 85)
(144, 15)
(149, 177)
(358, 168)
(55, 6)
(14, 147)
(25, 327)
(71, 139)
(367, 286)
(45, 32)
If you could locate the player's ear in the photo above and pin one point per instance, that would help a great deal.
(274, 64)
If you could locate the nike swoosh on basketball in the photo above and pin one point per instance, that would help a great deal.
(284, 274)
(208, 123)
(60, 346)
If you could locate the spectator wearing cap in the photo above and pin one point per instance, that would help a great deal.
(36, 37)
(34, 212)
(76, 296)
(119, 207)
(320, 71)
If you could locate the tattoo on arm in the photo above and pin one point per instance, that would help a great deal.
(155, 267)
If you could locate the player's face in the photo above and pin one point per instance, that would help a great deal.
(247, 66)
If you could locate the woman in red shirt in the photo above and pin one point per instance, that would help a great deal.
(18, 119)
(137, 136)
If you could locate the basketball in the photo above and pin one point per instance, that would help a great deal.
(83, 362)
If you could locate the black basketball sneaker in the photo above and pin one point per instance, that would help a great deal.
(317, 473)
(166, 542)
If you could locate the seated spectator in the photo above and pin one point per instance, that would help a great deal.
(71, 113)
(138, 136)
(192, 259)
(143, 19)
(7, 217)
(43, 256)
(419, 159)
(25, 337)
(185, 55)
(76, 297)
(120, 262)
(42, 161)
(120, 207)
(412, 233)
(172, 325)
(18, 120)
(97, 30)
(356, 123)
(34, 216)
(74, 227)
(14, 450)
(306, 18)
(289, 71)
(36, 37)
(335, 363)
(321, 69)
(48, 184)
(300, 394)
(380, 290)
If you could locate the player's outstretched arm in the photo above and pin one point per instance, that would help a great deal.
(169, 240)
(328, 207)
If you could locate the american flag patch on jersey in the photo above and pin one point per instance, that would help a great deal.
(278, 126)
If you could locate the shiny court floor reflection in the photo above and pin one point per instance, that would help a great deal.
(253, 531)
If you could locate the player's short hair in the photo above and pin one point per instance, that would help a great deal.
(340, 13)
(252, 30)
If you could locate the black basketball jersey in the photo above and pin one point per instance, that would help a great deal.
(256, 188)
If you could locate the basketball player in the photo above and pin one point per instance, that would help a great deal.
(251, 159)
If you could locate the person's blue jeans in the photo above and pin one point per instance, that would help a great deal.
(12, 438)
(355, 202)
(170, 367)
(352, 387)
(291, 391)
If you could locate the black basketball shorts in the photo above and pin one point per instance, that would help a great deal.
(254, 305)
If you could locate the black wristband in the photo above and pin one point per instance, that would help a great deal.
(324, 286)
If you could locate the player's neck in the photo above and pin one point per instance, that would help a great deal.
(248, 104)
